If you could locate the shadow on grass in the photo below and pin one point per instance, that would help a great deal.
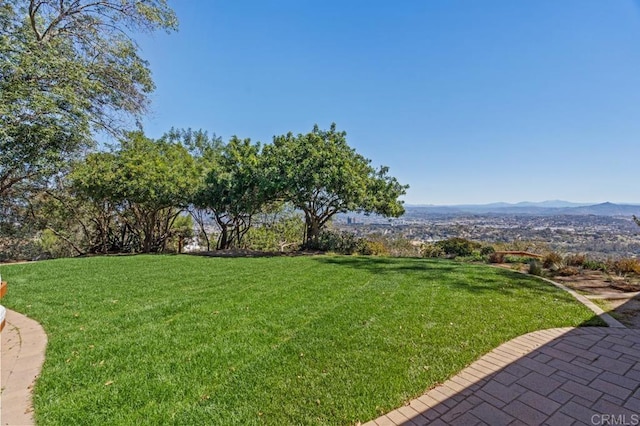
(244, 253)
(460, 276)
(628, 313)
(568, 379)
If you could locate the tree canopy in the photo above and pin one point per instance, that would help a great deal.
(321, 175)
(68, 68)
(234, 190)
(139, 190)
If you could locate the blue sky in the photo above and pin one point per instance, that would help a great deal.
(466, 101)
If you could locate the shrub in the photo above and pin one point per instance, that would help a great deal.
(535, 267)
(568, 271)
(375, 248)
(476, 256)
(431, 250)
(339, 242)
(496, 258)
(552, 260)
(595, 265)
(575, 260)
(516, 259)
(396, 246)
(626, 266)
(487, 251)
(53, 246)
(457, 246)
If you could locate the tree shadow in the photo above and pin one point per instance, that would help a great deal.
(628, 313)
(460, 276)
(246, 253)
(557, 376)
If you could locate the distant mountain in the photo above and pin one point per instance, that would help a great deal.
(605, 209)
(548, 203)
(552, 204)
(544, 208)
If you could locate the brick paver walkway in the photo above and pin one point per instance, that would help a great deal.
(23, 346)
(561, 376)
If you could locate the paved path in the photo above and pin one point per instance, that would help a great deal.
(23, 345)
(561, 376)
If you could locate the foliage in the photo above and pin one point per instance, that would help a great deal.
(568, 271)
(206, 151)
(487, 250)
(535, 267)
(510, 258)
(52, 246)
(595, 265)
(67, 69)
(321, 175)
(626, 266)
(496, 258)
(531, 246)
(575, 260)
(279, 230)
(143, 339)
(339, 242)
(552, 260)
(385, 245)
(134, 194)
(431, 250)
(457, 246)
(234, 190)
(181, 231)
(374, 248)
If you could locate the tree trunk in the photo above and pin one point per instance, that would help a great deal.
(312, 232)
(223, 240)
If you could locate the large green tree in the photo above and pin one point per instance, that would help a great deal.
(321, 175)
(68, 68)
(207, 152)
(137, 192)
(234, 190)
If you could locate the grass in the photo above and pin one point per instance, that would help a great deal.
(283, 340)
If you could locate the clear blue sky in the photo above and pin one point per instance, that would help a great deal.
(466, 101)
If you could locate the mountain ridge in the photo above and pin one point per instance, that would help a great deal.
(544, 208)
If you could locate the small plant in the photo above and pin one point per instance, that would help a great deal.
(575, 260)
(487, 250)
(552, 260)
(496, 258)
(626, 266)
(568, 271)
(595, 265)
(457, 246)
(516, 259)
(339, 242)
(375, 248)
(535, 267)
(431, 250)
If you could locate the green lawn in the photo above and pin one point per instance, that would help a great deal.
(283, 340)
